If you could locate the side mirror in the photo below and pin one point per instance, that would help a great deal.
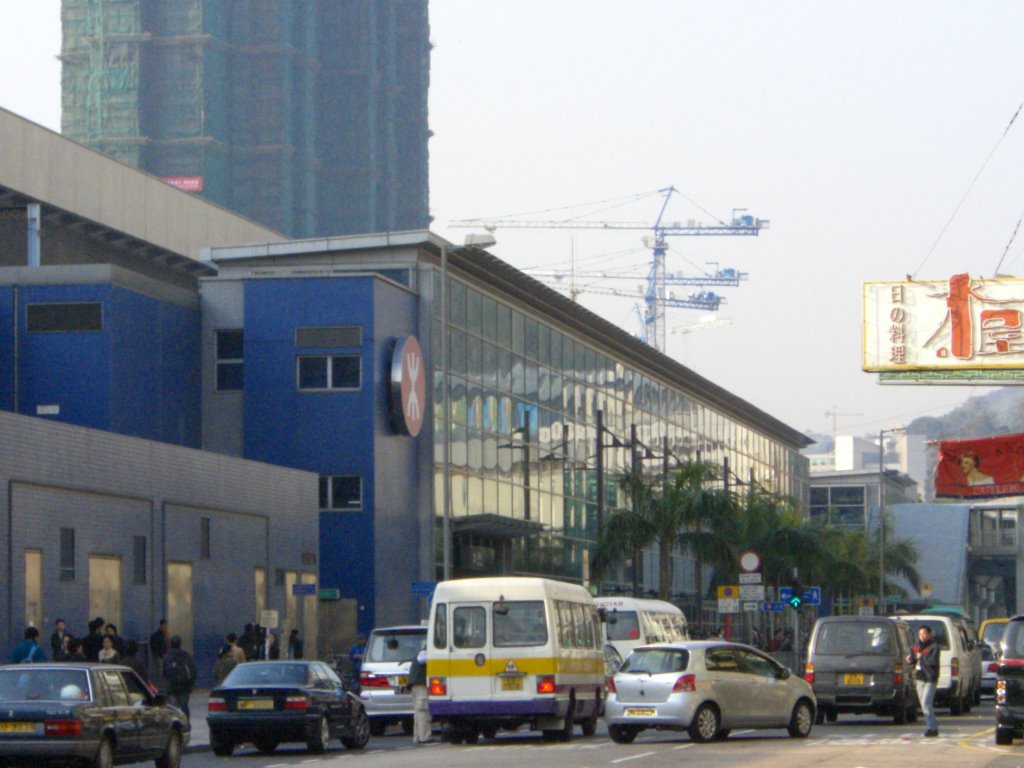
(501, 609)
(785, 674)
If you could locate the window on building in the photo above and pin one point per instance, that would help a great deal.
(204, 538)
(341, 493)
(230, 360)
(69, 317)
(327, 372)
(139, 566)
(67, 554)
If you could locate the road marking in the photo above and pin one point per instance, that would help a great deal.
(682, 746)
(633, 757)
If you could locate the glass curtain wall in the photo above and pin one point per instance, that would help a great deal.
(509, 369)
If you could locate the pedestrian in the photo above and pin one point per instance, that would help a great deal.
(57, 639)
(272, 650)
(179, 674)
(28, 650)
(422, 730)
(108, 653)
(356, 653)
(249, 642)
(93, 642)
(111, 630)
(924, 660)
(75, 652)
(294, 645)
(225, 663)
(234, 648)
(158, 649)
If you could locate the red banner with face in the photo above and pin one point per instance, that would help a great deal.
(984, 467)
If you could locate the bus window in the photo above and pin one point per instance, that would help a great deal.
(470, 629)
(441, 626)
(521, 624)
(623, 625)
(566, 630)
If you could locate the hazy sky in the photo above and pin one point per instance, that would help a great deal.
(855, 127)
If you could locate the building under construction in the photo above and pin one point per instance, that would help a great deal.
(309, 117)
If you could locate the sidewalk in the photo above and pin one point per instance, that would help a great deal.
(197, 702)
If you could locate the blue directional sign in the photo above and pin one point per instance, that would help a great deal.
(423, 588)
(811, 595)
(769, 606)
(304, 590)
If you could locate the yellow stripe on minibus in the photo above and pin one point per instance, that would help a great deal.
(528, 666)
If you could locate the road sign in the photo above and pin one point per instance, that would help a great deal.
(751, 591)
(728, 604)
(751, 605)
(770, 606)
(732, 590)
(330, 593)
(750, 578)
(811, 595)
(750, 561)
(304, 590)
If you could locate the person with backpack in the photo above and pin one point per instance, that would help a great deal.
(28, 650)
(179, 675)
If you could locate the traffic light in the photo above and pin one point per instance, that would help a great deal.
(798, 594)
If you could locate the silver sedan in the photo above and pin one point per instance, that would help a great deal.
(706, 688)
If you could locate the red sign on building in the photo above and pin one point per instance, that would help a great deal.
(186, 183)
(984, 467)
(408, 386)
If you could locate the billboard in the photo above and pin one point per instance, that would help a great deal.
(984, 467)
(958, 324)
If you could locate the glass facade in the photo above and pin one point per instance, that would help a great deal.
(510, 370)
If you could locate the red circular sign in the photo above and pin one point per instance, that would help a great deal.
(409, 384)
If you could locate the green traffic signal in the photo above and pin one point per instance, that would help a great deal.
(796, 601)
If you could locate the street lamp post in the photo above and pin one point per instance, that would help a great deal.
(881, 516)
(471, 242)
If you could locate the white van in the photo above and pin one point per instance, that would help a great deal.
(633, 621)
(508, 651)
(959, 685)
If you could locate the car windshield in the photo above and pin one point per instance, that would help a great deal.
(623, 625)
(519, 623)
(656, 661)
(268, 673)
(852, 638)
(395, 645)
(994, 631)
(938, 629)
(29, 684)
(1013, 640)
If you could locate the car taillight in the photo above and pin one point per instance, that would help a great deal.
(611, 685)
(993, 667)
(1000, 692)
(63, 727)
(369, 680)
(809, 673)
(217, 705)
(546, 684)
(954, 667)
(296, 702)
(897, 674)
(684, 684)
(438, 686)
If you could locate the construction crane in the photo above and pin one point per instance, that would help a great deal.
(835, 419)
(706, 300)
(722, 277)
(701, 325)
(741, 225)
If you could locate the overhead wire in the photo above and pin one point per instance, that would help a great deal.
(963, 199)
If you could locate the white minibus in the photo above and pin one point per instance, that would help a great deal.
(508, 651)
(633, 621)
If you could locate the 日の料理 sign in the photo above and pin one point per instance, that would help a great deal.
(408, 386)
(955, 324)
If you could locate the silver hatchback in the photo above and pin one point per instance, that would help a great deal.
(707, 688)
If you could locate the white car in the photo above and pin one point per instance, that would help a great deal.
(706, 688)
(384, 675)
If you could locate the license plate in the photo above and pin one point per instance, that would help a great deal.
(256, 704)
(17, 727)
(511, 683)
(641, 711)
(853, 679)
(398, 681)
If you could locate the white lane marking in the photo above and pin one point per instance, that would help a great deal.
(682, 746)
(633, 757)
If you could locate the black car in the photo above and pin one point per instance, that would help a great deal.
(100, 714)
(1010, 683)
(266, 703)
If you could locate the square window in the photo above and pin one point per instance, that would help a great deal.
(230, 345)
(230, 353)
(345, 372)
(341, 493)
(313, 372)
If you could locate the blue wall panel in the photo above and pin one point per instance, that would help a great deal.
(71, 370)
(323, 432)
(131, 321)
(181, 388)
(6, 348)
